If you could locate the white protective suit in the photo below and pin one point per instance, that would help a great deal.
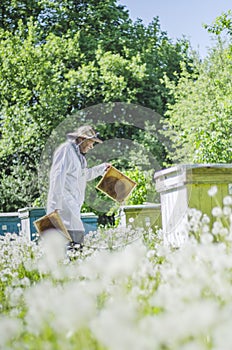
(68, 177)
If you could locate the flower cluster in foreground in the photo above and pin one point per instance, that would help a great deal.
(126, 289)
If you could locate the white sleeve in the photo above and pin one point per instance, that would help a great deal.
(95, 171)
(57, 179)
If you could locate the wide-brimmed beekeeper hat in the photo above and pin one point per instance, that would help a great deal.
(85, 131)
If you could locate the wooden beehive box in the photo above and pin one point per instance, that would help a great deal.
(116, 185)
(51, 221)
(141, 216)
(186, 186)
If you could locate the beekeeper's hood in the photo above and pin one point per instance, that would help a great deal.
(85, 131)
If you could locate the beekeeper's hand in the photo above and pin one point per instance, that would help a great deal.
(108, 165)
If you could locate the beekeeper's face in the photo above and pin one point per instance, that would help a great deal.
(86, 146)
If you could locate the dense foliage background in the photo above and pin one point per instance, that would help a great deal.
(199, 122)
(60, 57)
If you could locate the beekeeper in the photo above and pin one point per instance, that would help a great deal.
(68, 176)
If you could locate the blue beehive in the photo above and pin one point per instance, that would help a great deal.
(9, 222)
(27, 216)
(90, 221)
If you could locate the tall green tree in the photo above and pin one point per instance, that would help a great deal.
(96, 20)
(61, 56)
(38, 89)
(104, 24)
(199, 122)
(222, 23)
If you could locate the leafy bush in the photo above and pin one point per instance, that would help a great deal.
(145, 188)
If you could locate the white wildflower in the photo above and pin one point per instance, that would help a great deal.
(227, 211)
(147, 221)
(205, 219)
(212, 191)
(16, 295)
(217, 212)
(9, 329)
(206, 238)
(217, 227)
(115, 327)
(53, 245)
(222, 333)
(227, 200)
(224, 231)
(205, 228)
(150, 254)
